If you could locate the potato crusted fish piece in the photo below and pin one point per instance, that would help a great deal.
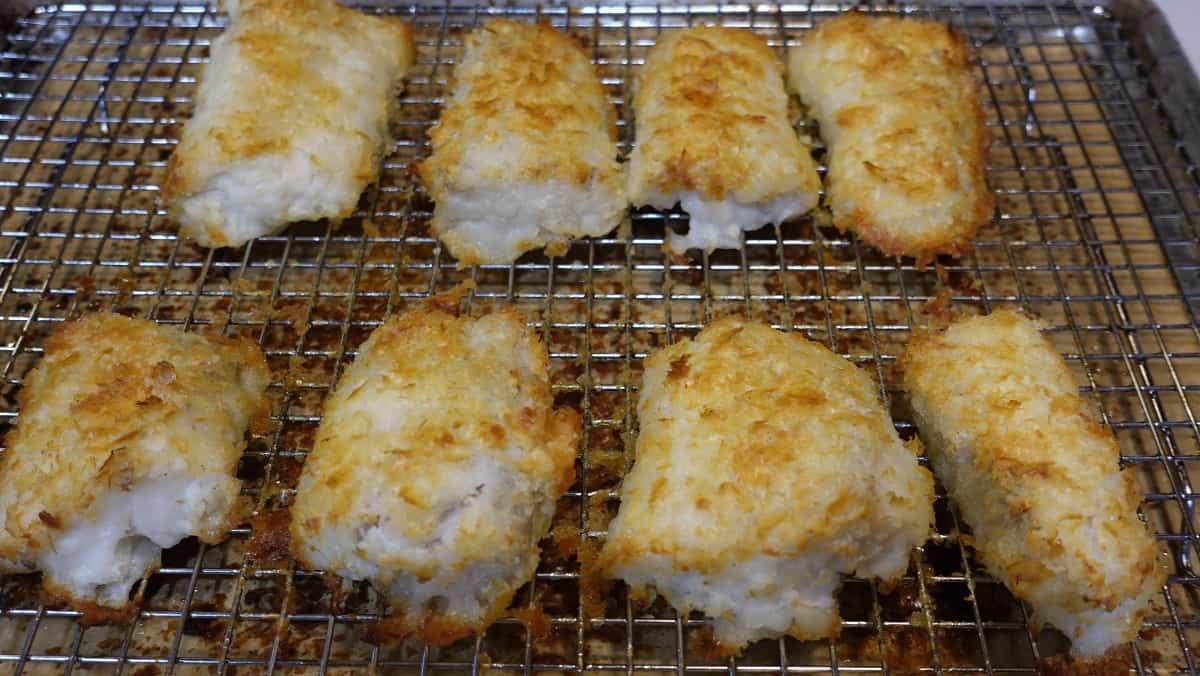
(714, 134)
(766, 468)
(291, 119)
(898, 105)
(1035, 477)
(127, 442)
(436, 470)
(524, 153)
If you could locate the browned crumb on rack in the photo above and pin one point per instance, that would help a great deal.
(287, 469)
(241, 513)
(388, 631)
(703, 642)
(534, 619)
(340, 589)
(435, 629)
(898, 245)
(908, 648)
(1116, 662)
(450, 301)
(221, 316)
(605, 467)
(940, 271)
(293, 379)
(54, 596)
(563, 541)
(857, 647)
(260, 420)
(248, 287)
(592, 585)
(269, 538)
(1149, 656)
(558, 247)
(209, 630)
(938, 308)
(292, 311)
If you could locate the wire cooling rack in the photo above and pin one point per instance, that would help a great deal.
(1096, 198)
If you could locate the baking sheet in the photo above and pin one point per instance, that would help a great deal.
(1086, 164)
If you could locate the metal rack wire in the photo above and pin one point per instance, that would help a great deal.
(1088, 171)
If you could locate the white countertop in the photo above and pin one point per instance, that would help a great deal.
(1184, 18)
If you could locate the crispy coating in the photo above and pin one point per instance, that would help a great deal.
(766, 466)
(712, 120)
(524, 152)
(291, 119)
(436, 470)
(1035, 476)
(898, 105)
(116, 402)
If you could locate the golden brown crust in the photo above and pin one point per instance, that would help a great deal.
(786, 398)
(548, 433)
(112, 400)
(722, 418)
(527, 115)
(279, 96)
(404, 35)
(434, 628)
(712, 118)
(276, 36)
(432, 398)
(529, 80)
(1035, 475)
(898, 102)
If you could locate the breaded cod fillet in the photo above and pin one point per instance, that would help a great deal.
(766, 469)
(127, 442)
(898, 105)
(291, 119)
(436, 470)
(1035, 477)
(524, 153)
(714, 135)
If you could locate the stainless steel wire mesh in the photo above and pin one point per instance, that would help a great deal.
(1090, 175)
